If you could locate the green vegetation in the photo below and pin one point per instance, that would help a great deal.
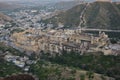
(107, 65)
(17, 30)
(82, 77)
(90, 75)
(97, 15)
(8, 68)
(69, 18)
(4, 48)
(65, 66)
(103, 15)
(47, 71)
(118, 5)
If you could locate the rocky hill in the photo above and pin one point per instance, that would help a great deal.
(4, 18)
(103, 15)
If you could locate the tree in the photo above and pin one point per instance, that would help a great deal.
(82, 77)
(90, 75)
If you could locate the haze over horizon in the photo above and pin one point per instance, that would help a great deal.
(50, 0)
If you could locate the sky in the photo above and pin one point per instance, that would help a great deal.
(35, 0)
(47, 0)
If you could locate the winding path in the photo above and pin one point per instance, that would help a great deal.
(82, 17)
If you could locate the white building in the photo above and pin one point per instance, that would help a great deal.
(19, 63)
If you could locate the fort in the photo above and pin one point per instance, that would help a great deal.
(56, 41)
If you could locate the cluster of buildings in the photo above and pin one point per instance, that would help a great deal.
(32, 17)
(22, 62)
(24, 19)
(57, 41)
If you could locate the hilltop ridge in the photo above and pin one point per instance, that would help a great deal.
(100, 15)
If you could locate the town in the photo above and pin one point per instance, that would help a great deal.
(60, 40)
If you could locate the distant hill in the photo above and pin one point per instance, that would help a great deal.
(64, 5)
(4, 18)
(103, 15)
(7, 6)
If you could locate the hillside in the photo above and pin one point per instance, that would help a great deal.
(19, 77)
(103, 15)
(55, 69)
(4, 18)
